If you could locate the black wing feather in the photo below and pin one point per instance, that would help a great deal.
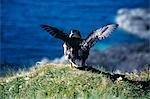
(56, 32)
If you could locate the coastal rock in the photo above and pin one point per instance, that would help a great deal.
(135, 21)
(125, 57)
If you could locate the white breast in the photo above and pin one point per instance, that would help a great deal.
(67, 51)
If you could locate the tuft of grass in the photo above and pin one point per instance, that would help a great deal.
(60, 81)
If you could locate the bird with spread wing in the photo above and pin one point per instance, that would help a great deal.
(76, 49)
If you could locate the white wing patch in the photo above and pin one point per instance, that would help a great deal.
(105, 31)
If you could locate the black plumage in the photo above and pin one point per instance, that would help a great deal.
(76, 49)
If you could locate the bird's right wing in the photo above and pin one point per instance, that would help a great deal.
(56, 33)
(97, 35)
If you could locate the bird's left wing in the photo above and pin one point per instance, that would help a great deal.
(99, 34)
(56, 33)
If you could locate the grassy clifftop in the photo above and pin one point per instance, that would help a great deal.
(60, 81)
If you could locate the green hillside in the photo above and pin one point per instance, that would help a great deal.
(57, 81)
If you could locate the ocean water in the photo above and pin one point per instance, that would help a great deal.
(23, 42)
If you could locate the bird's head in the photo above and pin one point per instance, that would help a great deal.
(75, 34)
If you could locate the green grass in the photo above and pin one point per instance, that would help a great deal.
(60, 81)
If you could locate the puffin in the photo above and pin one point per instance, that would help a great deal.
(77, 48)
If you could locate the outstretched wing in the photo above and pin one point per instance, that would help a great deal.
(98, 35)
(56, 32)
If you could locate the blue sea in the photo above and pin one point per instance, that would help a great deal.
(23, 42)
